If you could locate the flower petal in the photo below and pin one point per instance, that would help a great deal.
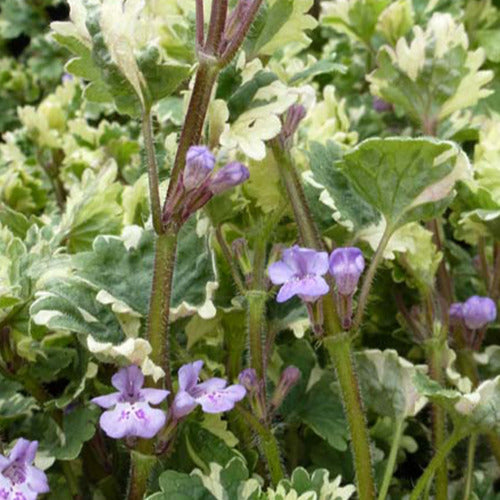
(128, 380)
(280, 273)
(318, 263)
(37, 480)
(23, 451)
(222, 400)
(137, 419)
(183, 404)
(212, 384)
(288, 290)
(188, 375)
(154, 396)
(313, 287)
(108, 400)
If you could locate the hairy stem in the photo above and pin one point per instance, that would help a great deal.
(339, 348)
(338, 343)
(154, 183)
(435, 463)
(256, 300)
(368, 279)
(438, 423)
(159, 307)
(217, 25)
(267, 443)
(469, 477)
(391, 461)
(235, 273)
(140, 467)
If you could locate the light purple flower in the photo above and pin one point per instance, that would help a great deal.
(300, 271)
(131, 413)
(19, 479)
(290, 376)
(346, 266)
(248, 379)
(478, 312)
(199, 165)
(228, 177)
(213, 395)
(380, 106)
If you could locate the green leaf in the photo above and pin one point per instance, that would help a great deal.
(405, 179)
(490, 41)
(387, 383)
(350, 205)
(79, 425)
(284, 22)
(321, 67)
(178, 486)
(13, 404)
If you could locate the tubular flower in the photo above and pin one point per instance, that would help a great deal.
(19, 479)
(129, 412)
(300, 272)
(199, 165)
(346, 266)
(213, 395)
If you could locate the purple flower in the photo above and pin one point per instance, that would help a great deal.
(346, 266)
(228, 177)
(478, 312)
(199, 164)
(213, 395)
(300, 271)
(19, 480)
(380, 106)
(289, 377)
(131, 414)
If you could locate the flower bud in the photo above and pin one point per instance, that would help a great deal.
(248, 379)
(199, 164)
(478, 312)
(229, 176)
(346, 266)
(380, 106)
(289, 377)
(295, 115)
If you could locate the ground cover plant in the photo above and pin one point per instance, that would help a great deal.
(250, 249)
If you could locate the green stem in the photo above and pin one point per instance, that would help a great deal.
(339, 348)
(235, 273)
(469, 478)
(154, 183)
(368, 279)
(338, 344)
(159, 307)
(438, 422)
(267, 443)
(70, 478)
(308, 232)
(140, 468)
(391, 462)
(436, 462)
(256, 300)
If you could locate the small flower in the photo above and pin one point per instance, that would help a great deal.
(19, 479)
(380, 106)
(131, 414)
(213, 395)
(478, 312)
(199, 165)
(228, 177)
(346, 266)
(300, 271)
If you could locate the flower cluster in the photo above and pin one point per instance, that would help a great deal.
(19, 479)
(129, 412)
(300, 272)
(200, 183)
